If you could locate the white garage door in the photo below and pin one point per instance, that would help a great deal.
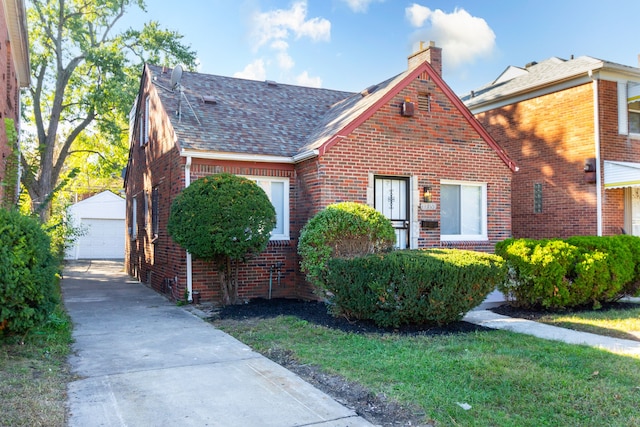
(103, 239)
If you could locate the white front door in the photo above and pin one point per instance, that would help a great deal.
(392, 200)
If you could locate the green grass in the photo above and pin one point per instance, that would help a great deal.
(34, 374)
(508, 379)
(614, 323)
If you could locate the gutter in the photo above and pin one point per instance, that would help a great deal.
(596, 132)
(187, 182)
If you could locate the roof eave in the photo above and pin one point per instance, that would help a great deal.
(530, 92)
(237, 157)
(17, 25)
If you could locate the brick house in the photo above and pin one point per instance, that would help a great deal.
(407, 146)
(573, 128)
(14, 63)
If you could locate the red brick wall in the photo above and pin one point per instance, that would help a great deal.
(9, 101)
(161, 263)
(549, 138)
(432, 146)
(613, 146)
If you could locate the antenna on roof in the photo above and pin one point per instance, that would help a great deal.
(176, 78)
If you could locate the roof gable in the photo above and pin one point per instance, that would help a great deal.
(351, 113)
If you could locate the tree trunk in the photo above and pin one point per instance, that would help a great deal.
(228, 271)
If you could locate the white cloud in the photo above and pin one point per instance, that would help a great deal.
(281, 24)
(462, 37)
(417, 14)
(285, 62)
(305, 79)
(274, 31)
(360, 5)
(253, 71)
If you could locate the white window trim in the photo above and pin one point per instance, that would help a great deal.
(134, 218)
(470, 237)
(285, 219)
(623, 109)
(144, 123)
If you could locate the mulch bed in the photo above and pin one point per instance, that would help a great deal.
(317, 313)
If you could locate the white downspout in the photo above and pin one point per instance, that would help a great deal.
(596, 131)
(187, 182)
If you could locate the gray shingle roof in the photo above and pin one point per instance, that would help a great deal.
(248, 117)
(538, 75)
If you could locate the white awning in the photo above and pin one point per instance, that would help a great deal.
(621, 174)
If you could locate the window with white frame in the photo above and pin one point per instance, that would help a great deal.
(134, 218)
(629, 108)
(144, 123)
(463, 210)
(277, 190)
(634, 117)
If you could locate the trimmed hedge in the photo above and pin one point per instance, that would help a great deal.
(557, 274)
(413, 286)
(27, 273)
(342, 230)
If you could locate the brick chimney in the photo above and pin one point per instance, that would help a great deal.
(431, 54)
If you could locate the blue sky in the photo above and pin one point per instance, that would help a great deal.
(352, 44)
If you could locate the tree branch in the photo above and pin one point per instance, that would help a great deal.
(64, 150)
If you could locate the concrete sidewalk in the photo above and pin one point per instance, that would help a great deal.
(143, 361)
(483, 317)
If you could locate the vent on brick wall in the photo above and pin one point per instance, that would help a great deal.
(424, 102)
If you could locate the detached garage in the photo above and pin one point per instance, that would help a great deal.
(101, 219)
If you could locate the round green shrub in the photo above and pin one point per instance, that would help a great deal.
(436, 286)
(342, 230)
(27, 273)
(222, 216)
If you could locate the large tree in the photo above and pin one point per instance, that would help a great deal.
(85, 75)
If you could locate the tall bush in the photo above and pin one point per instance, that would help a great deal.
(342, 230)
(557, 274)
(222, 218)
(412, 287)
(27, 273)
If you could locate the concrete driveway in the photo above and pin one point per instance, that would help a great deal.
(143, 361)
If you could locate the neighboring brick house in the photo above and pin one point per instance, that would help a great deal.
(14, 63)
(573, 128)
(386, 146)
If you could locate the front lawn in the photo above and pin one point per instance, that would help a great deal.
(614, 323)
(34, 374)
(507, 379)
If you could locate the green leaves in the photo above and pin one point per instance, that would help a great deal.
(412, 287)
(27, 273)
(557, 274)
(85, 79)
(222, 217)
(344, 229)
